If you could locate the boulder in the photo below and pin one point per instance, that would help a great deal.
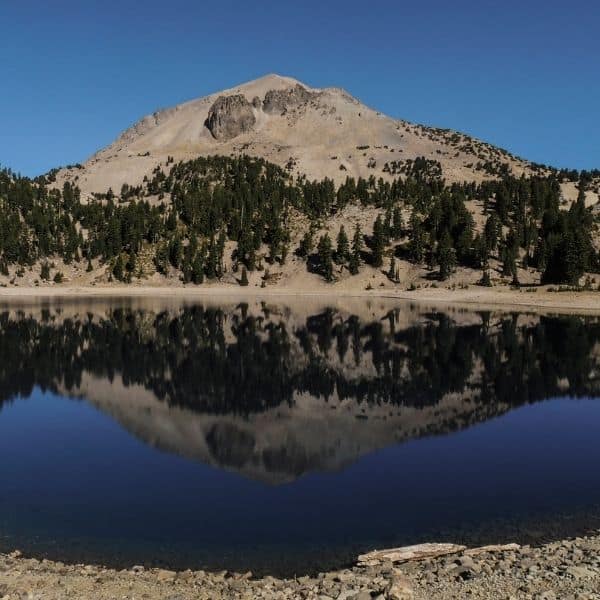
(400, 589)
(230, 116)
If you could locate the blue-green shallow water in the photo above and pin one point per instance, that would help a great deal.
(136, 475)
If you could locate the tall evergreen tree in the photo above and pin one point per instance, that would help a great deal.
(416, 242)
(343, 248)
(325, 257)
(118, 270)
(445, 256)
(397, 223)
(355, 257)
(378, 243)
(492, 231)
(392, 275)
(197, 269)
(244, 278)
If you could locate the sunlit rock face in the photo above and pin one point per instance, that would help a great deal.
(280, 101)
(230, 116)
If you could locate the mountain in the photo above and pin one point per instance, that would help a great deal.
(314, 132)
(274, 183)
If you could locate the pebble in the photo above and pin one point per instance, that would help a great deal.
(568, 570)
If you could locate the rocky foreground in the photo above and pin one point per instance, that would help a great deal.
(559, 570)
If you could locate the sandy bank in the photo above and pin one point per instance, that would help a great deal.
(540, 300)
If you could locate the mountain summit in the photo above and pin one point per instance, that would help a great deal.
(314, 132)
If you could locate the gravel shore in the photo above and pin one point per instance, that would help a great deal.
(567, 569)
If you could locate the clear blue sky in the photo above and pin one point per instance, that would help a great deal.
(522, 75)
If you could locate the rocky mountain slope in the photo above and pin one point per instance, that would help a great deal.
(314, 132)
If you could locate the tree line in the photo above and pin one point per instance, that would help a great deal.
(188, 216)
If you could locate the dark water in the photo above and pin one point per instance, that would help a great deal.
(287, 439)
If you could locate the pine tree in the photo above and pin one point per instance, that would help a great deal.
(397, 223)
(326, 257)
(161, 259)
(355, 257)
(485, 279)
(416, 242)
(197, 269)
(244, 279)
(307, 243)
(118, 268)
(392, 272)
(581, 194)
(130, 265)
(378, 242)
(491, 232)
(480, 252)
(343, 249)
(509, 253)
(445, 255)
(220, 252)
(211, 262)
(45, 271)
(387, 225)
(176, 251)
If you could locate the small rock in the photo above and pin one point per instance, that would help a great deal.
(578, 573)
(461, 573)
(165, 575)
(400, 589)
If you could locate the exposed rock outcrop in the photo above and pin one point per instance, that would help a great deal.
(279, 101)
(230, 116)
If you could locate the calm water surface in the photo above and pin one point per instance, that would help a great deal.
(288, 438)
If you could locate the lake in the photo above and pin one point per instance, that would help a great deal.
(288, 437)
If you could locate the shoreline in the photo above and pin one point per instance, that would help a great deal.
(498, 298)
(568, 568)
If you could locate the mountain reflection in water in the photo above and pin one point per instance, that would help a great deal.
(275, 394)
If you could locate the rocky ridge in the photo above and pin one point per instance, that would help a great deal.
(568, 569)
